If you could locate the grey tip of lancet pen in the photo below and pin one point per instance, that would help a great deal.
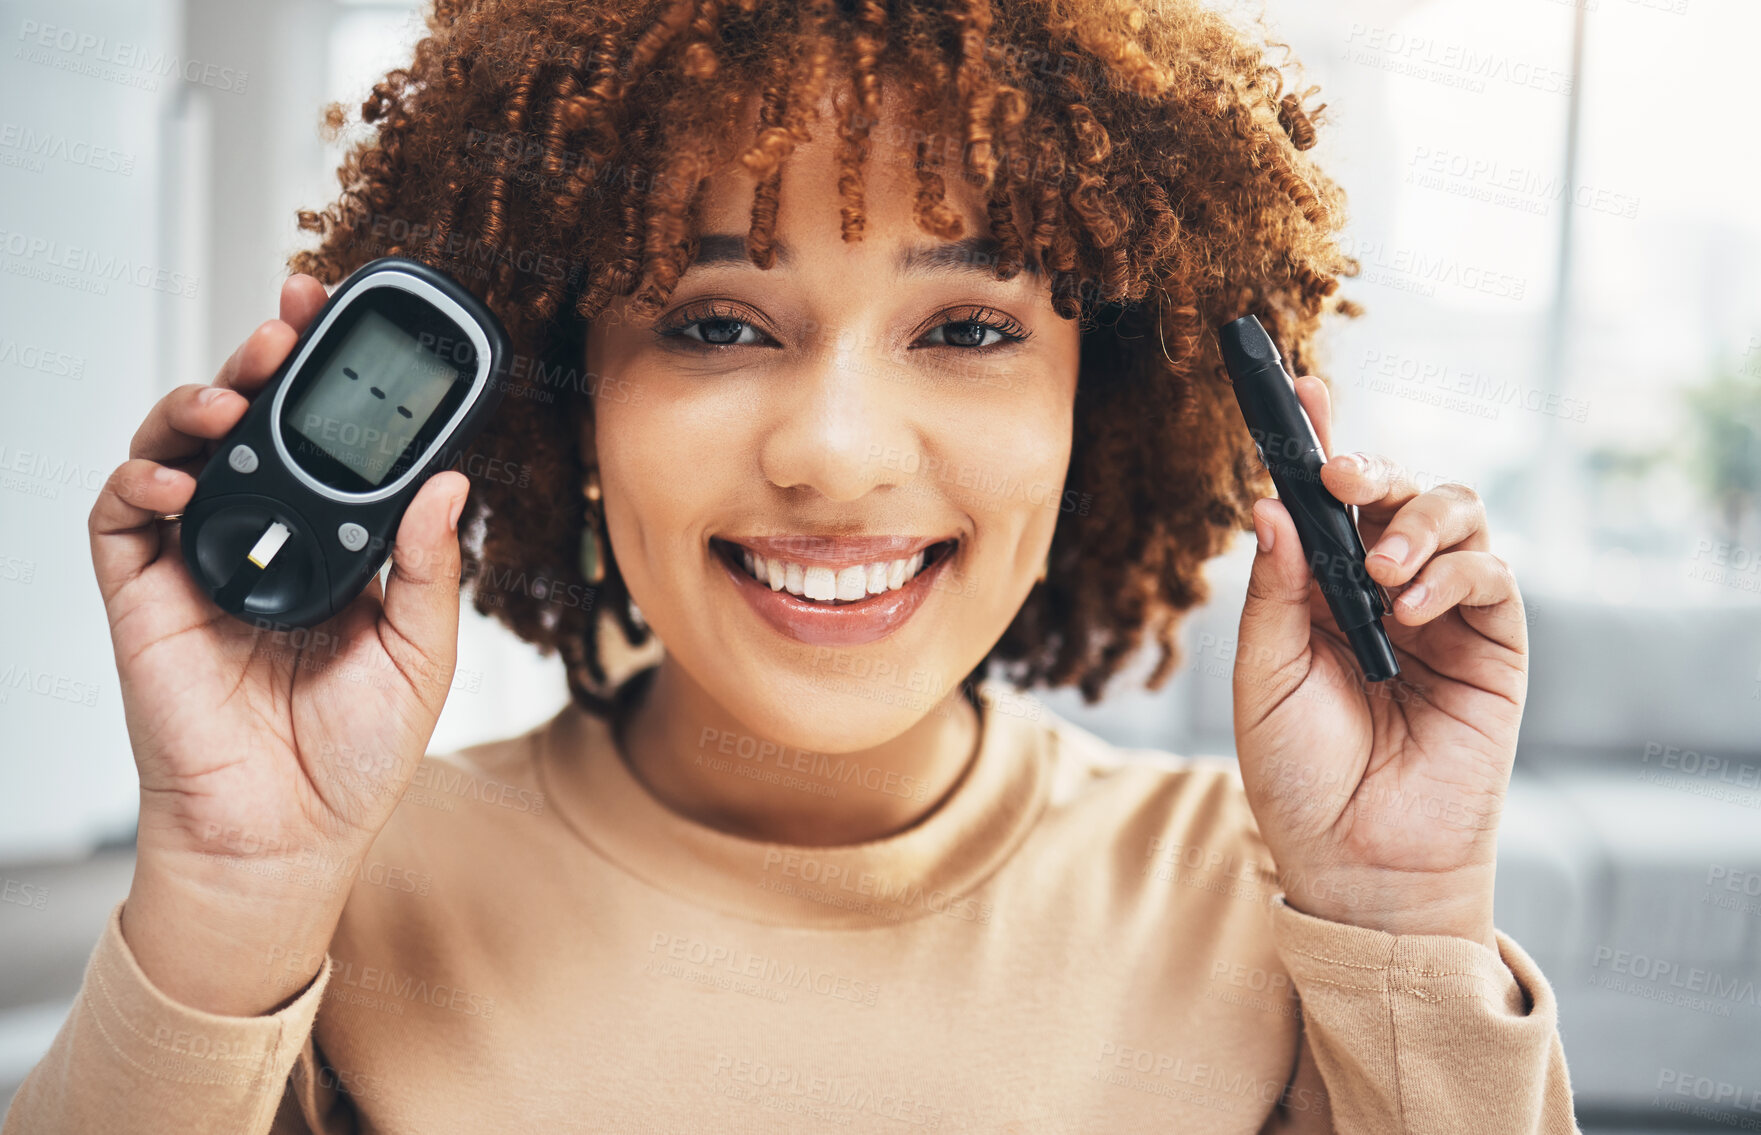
(1246, 345)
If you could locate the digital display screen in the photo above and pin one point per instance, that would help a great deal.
(376, 391)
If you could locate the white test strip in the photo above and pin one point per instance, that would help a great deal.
(268, 544)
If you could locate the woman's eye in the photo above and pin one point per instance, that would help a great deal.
(974, 334)
(717, 331)
(970, 334)
(712, 326)
(709, 330)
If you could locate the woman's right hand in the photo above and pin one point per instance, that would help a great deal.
(269, 759)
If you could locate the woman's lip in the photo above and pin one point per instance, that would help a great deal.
(847, 624)
(835, 551)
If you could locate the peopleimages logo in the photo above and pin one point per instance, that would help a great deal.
(1163, 1073)
(103, 58)
(408, 987)
(1705, 766)
(1721, 1094)
(1668, 981)
(1417, 270)
(826, 882)
(826, 770)
(783, 974)
(447, 781)
(1454, 64)
(29, 356)
(28, 148)
(86, 268)
(58, 687)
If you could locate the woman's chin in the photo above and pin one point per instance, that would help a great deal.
(818, 710)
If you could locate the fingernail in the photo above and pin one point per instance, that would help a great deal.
(1414, 596)
(1359, 463)
(452, 519)
(1263, 532)
(207, 397)
(1395, 548)
(164, 476)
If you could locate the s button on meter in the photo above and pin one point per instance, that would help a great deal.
(352, 536)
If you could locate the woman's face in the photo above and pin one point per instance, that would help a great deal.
(856, 404)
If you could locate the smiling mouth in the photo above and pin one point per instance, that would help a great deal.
(826, 585)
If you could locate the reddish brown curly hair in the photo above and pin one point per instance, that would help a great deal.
(550, 155)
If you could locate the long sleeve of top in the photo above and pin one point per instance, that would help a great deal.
(1076, 938)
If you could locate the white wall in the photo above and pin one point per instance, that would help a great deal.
(64, 759)
(200, 179)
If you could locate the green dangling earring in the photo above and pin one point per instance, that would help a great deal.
(592, 556)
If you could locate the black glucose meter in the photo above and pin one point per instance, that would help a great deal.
(300, 504)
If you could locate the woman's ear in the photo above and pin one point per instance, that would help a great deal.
(585, 405)
(586, 436)
(582, 419)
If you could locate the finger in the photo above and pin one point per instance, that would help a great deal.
(1317, 403)
(123, 525)
(422, 592)
(1448, 516)
(1372, 482)
(257, 358)
(301, 297)
(180, 422)
(1273, 645)
(1480, 584)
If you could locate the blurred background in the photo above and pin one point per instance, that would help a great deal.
(1561, 268)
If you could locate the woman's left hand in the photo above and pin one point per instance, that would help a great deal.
(1380, 800)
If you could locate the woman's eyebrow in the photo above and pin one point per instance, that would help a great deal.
(971, 254)
(974, 254)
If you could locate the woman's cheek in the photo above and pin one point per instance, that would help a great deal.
(1008, 476)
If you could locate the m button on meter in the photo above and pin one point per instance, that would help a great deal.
(352, 536)
(243, 459)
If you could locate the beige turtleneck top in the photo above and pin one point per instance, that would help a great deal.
(1078, 938)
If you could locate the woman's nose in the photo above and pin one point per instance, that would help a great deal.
(836, 417)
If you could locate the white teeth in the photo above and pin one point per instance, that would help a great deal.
(819, 583)
(853, 582)
(822, 584)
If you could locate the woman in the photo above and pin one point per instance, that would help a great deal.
(864, 347)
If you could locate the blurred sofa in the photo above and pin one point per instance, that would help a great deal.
(1630, 847)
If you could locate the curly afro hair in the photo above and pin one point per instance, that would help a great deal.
(551, 155)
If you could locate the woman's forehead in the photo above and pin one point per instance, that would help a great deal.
(813, 175)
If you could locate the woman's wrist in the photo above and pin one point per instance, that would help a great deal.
(214, 945)
(1460, 908)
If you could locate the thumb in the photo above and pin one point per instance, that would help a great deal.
(422, 592)
(1275, 627)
